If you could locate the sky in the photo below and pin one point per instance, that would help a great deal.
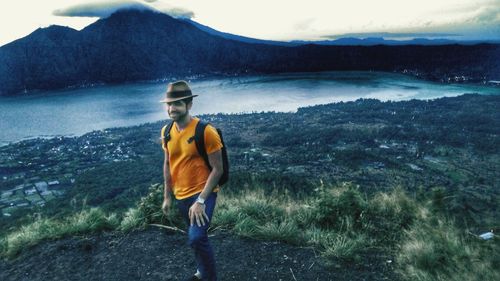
(282, 20)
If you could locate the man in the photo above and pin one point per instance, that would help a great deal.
(188, 177)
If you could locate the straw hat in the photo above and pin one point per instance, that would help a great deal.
(178, 90)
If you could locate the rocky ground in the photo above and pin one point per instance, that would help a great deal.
(158, 254)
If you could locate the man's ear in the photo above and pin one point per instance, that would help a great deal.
(189, 105)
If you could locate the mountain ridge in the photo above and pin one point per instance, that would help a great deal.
(347, 41)
(133, 45)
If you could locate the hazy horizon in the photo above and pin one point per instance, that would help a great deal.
(312, 20)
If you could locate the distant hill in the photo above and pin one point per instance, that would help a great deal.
(342, 41)
(243, 38)
(133, 45)
(372, 41)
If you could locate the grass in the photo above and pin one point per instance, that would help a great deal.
(86, 221)
(340, 221)
(434, 249)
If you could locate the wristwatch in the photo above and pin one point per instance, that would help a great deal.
(200, 200)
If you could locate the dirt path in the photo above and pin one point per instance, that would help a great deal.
(154, 254)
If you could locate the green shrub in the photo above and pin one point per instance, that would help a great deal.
(256, 215)
(346, 247)
(227, 213)
(150, 205)
(90, 220)
(342, 245)
(286, 231)
(339, 205)
(388, 214)
(132, 219)
(262, 210)
(304, 215)
(150, 210)
(246, 227)
(232, 207)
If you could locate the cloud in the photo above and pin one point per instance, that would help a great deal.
(304, 24)
(102, 9)
(467, 20)
(177, 12)
(98, 9)
(487, 15)
(476, 22)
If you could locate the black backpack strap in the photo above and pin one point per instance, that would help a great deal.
(200, 146)
(166, 133)
(199, 139)
(225, 161)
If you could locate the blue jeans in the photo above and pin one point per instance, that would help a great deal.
(198, 238)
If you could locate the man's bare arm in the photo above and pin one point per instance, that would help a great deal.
(167, 186)
(215, 160)
(197, 211)
(166, 177)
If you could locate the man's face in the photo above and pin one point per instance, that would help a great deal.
(178, 110)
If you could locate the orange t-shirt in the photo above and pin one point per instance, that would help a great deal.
(188, 170)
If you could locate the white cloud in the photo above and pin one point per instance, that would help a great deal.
(275, 19)
(312, 19)
(175, 11)
(105, 8)
(20, 18)
(98, 9)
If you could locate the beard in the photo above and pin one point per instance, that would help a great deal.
(176, 116)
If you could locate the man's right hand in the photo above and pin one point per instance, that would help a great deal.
(167, 202)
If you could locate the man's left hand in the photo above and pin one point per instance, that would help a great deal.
(197, 213)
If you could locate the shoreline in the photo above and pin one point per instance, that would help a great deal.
(451, 80)
(4, 143)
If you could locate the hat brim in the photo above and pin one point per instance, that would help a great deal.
(176, 99)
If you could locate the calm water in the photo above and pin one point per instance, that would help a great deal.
(78, 111)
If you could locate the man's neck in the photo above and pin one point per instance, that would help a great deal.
(182, 124)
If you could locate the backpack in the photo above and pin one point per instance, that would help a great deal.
(199, 140)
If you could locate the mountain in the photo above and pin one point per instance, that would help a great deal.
(242, 38)
(130, 45)
(134, 45)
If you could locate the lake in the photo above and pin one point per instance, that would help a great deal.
(74, 112)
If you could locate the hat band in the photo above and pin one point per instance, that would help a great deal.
(178, 94)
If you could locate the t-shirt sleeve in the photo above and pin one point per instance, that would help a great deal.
(213, 142)
(161, 138)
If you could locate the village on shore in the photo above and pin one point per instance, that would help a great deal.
(377, 145)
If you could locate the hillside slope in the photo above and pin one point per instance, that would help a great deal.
(154, 254)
